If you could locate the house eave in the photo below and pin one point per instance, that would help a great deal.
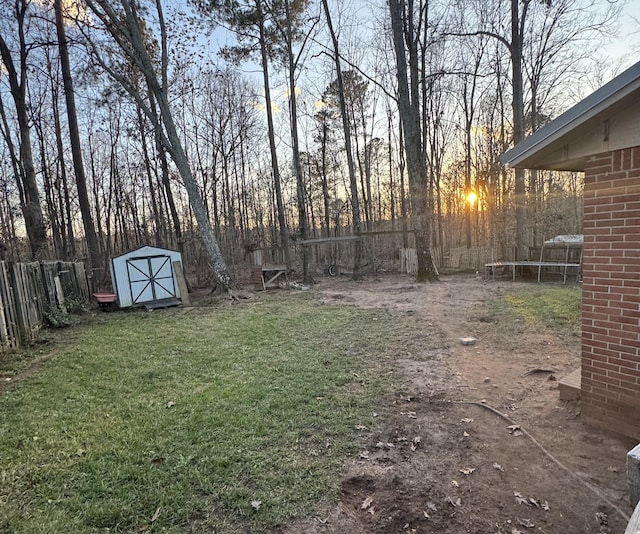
(534, 151)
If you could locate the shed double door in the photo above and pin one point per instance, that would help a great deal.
(151, 278)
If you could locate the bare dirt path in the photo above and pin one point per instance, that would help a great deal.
(435, 464)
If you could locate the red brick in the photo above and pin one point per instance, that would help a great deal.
(597, 344)
(604, 367)
(597, 202)
(597, 399)
(601, 160)
(631, 399)
(617, 390)
(629, 383)
(604, 355)
(619, 377)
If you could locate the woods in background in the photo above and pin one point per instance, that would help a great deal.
(219, 128)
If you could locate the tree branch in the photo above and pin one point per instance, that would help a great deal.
(478, 33)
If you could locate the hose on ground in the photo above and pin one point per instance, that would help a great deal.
(589, 486)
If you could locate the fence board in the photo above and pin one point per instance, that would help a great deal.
(29, 290)
(80, 290)
(30, 298)
(9, 333)
(409, 261)
(48, 272)
(460, 258)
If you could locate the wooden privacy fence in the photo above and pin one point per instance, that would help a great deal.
(28, 291)
(460, 258)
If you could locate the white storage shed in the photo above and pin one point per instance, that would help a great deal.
(145, 275)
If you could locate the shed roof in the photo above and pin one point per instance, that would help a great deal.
(553, 145)
(146, 250)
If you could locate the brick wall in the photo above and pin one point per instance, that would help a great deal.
(611, 292)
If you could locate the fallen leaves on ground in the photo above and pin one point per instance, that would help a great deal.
(519, 498)
(527, 523)
(531, 501)
(454, 501)
(515, 430)
(366, 503)
(602, 518)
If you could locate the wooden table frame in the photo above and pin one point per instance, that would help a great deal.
(271, 274)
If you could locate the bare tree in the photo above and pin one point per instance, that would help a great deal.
(125, 26)
(286, 25)
(404, 31)
(76, 149)
(355, 205)
(26, 174)
(564, 23)
(255, 31)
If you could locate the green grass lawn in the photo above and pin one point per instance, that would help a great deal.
(557, 307)
(185, 420)
(177, 421)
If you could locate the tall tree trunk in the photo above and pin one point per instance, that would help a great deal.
(518, 124)
(30, 198)
(103, 222)
(64, 200)
(403, 190)
(534, 209)
(303, 220)
(76, 150)
(353, 182)
(416, 164)
(155, 210)
(392, 200)
(284, 231)
(49, 195)
(325, 181)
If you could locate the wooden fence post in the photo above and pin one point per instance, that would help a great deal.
(9, 334)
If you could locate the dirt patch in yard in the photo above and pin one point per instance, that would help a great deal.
(476, 439)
